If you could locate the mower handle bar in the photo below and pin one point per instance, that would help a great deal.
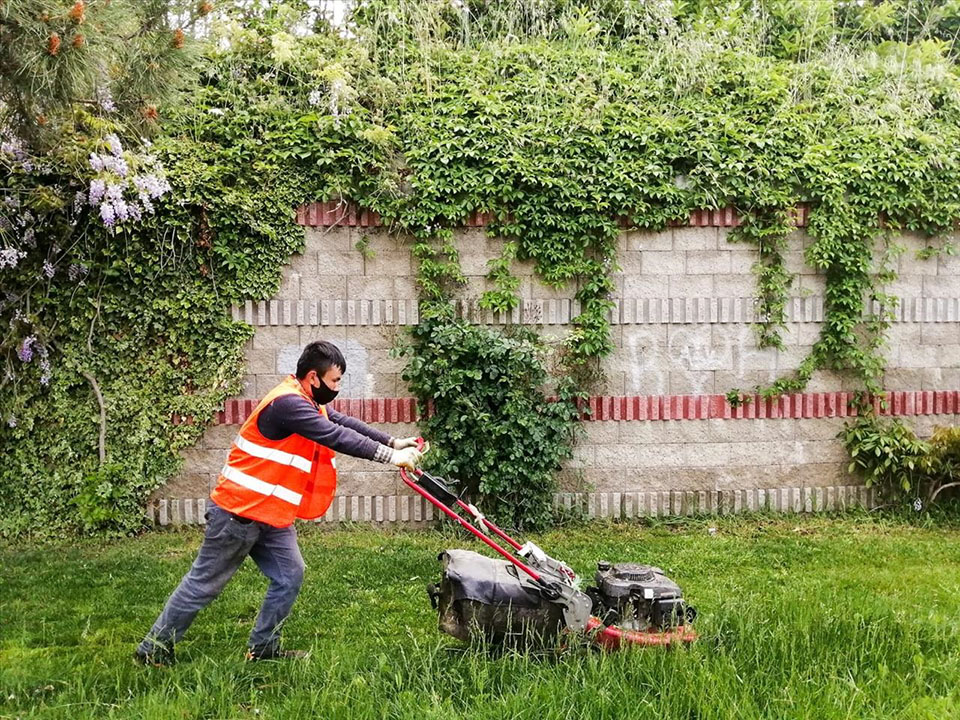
(474, 513)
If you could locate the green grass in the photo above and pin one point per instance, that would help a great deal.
(800, 617)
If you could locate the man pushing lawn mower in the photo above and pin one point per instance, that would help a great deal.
(281, 467)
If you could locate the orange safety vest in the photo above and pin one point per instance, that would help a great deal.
(276, 481)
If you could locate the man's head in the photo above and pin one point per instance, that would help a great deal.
(321, 364)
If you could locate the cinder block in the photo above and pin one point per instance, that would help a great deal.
(810, 284)
(663, 263)
(343, 262)
(911, 265)
(323, 287)
(248, 386)
(647, 240)
(818, 429)
(707, 262)
(321, 240)
(190, 483)
(941, 333)
(742, 261)
(289, 285)
(273, 337)
(743, 284)
(371, 288)
(904, 379)
(367, 483)
(643, 286)
(949, 264)
(219, 437)
(631, 263)
(941, 286)
(920, 356)
(261, 360)
(691, 382)
(389, 264)
(940, 379)
(685, 286)
(306, 263)
(695, 238)
(948, 356)
(201, 462)
(601, 432)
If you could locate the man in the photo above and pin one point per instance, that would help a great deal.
(281, 466)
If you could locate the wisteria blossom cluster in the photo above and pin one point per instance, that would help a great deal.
(118, 195)
(105, 100)
(9, 257)
(30, 348)
(11, 148)
(16, 228)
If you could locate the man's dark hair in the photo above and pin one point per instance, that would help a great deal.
(320, 355)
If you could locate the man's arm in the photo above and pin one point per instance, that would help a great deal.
(290, 414)
(360, 427)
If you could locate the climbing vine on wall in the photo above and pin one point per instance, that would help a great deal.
(565, 134)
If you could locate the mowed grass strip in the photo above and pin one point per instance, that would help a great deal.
(800, 617)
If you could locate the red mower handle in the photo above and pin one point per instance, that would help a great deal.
(423, 492)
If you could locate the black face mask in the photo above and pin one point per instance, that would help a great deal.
(323, 394)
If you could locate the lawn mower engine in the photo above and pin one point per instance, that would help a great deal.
(638, 597)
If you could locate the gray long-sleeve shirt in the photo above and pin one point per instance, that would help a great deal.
(290, 414)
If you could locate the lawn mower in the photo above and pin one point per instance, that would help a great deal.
(529, 597)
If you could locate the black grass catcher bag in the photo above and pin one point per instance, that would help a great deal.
(480, 598)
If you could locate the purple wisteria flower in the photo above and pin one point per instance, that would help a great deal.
(25, 351)
(14, 147)
(112, 194)
(150, 186)
(30, 237)
(44, 369)
(48, 269)
(108, 215)
(115, 147)
(76, 271)
(120, 167)
(10, 257)
(97, 189)
(105, 100)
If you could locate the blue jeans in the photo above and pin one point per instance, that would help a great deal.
(227, 542)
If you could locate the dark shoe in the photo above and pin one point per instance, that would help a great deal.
(158, 657)
(275, 653)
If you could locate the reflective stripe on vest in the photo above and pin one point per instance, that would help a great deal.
(262, 487)
(277, 456)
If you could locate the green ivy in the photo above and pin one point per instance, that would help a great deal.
(566, 136)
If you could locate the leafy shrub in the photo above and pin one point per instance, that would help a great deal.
(892, 458)
(492, 428)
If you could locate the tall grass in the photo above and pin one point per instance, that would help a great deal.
(799, 618)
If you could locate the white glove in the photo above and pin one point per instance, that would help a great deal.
(407, 458)
(401, 443)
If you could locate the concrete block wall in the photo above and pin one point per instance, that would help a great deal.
(683, 334)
